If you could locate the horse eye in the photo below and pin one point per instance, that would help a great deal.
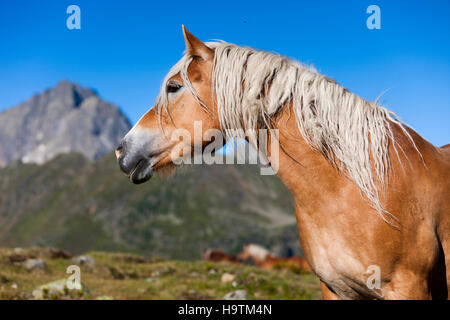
(173, 87)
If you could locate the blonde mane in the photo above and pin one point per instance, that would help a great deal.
(251, 86)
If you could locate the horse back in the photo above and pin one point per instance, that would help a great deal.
(445, 150)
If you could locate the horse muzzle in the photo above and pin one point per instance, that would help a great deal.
(134, 163)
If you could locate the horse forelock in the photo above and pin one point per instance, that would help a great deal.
(251, 86)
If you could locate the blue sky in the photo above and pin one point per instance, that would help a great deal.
(125, 48)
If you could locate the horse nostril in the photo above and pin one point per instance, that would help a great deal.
(119, 151)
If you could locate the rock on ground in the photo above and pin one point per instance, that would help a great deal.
(84, 261)
(236, 295)
(34, 264)
(227, 277)
(59, 290)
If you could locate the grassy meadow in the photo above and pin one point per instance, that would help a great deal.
(129, 276)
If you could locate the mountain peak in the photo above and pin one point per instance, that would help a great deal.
(70, 92)
(66, 85)
(66, 118)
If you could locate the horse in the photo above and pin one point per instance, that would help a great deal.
(218, 255)
(371, 195)
(255, 252)
(264, 259)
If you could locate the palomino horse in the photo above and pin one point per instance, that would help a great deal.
(266, 260)
(371, 195)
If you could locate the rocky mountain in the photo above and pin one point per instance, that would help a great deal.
(64, 119)
(80, 205)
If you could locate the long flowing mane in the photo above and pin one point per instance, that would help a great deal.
(251, 86)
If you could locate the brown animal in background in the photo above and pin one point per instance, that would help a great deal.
(369, 192)
(266, 260)
(218, 255)
(272, 262)
(298, 262)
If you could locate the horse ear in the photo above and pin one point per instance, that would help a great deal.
(196, 47)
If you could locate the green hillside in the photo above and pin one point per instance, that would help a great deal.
(126, 276)
(78, 205)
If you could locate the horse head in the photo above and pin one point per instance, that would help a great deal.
(180, 122)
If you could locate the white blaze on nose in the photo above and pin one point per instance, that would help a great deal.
(143, 141)
(137, 138)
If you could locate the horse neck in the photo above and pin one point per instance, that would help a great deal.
(316, 185)
(312, 180)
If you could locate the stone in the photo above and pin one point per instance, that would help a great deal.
(58, 290)
(150, 280)
(227, 277)
(236, 295)
(84, 261)
(34, 264)
(19, 250)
